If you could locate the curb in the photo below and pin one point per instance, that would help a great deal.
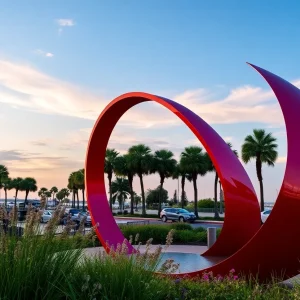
(157, 219)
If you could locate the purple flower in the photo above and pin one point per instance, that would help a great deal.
(205, 277)
(177, 280)
(232, 271)
(235, 277)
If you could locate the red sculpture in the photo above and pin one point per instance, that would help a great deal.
(251, 249)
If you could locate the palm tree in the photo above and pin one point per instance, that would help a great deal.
(6, 184)
(73, 187)
(28, 185)
(16, 184)
(180, 172)
(109, 165)
(42, 191)
(193, 161)
(53, 191)
(120, 191)
(140, 160)
(262, 147)
(122, 168)
(211, 168)
(3, 174)
(164, 164)
(79, 181)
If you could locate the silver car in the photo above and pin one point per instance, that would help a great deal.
(177, 214)
(46, 216)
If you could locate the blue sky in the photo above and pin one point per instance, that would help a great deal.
(61, 62)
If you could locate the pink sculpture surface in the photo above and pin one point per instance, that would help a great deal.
(250, 248)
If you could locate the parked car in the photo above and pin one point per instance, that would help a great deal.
(177, 214)
(265, 214)
(88, 221)
(46, 216)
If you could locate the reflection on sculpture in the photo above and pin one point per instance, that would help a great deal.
(250, 248)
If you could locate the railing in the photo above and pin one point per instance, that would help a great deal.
(144, 222)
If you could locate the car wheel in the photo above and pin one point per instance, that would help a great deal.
(181, 219)
(164, 218)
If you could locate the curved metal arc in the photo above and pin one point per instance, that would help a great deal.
(242, 206)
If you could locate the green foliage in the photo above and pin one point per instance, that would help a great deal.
(152, 196)
(117, 278)
(157, 232)
(206, 203)
(182, 226)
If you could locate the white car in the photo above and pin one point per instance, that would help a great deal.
(46, 216)
(265, 214)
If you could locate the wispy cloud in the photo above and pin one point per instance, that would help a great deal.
(43, 53)
(25, 87)
(65, 22)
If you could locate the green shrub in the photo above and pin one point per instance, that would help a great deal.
(181, 226)
(157, 232)
(199, 229)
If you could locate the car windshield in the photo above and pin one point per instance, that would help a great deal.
(183, 211)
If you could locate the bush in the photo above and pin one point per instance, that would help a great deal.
(157, 232)
(206, 203)
(181, 226)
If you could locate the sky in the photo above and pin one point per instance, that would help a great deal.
(62, 62)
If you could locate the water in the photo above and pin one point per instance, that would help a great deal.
(190, 262)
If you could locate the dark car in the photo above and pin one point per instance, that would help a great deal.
(88, 221)
(177, 214)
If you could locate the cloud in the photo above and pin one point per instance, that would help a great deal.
(43, 53)
(281, 159)
(23, 86)
(65, 22)
(42, 143)
(28, 162)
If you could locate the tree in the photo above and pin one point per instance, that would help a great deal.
(16, 184)
(175, 198)
(179, 171)
(194, 162)
(6, 184)
(62, 194)
(140, 161)
(153, 196)
(3, 174)
(137, 200)
(53, 191)
(262, 147)
(80, 183)
(28, 185)
(42, 191)
(109, 165)
(120, 191)
(211, 168)
(164, 164)
(122, 168)
(74, 188)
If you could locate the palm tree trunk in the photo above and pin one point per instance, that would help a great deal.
(16, 197)
(262, 202)
(130, 180)
(260, 179)
(110, 193)
(26, 196)
(182, 190)
(195, 196)
(160, 195)
(73, 199)
(77, 199)
(143, 196)
(216, 196)
(83, 199)
(5, 191)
